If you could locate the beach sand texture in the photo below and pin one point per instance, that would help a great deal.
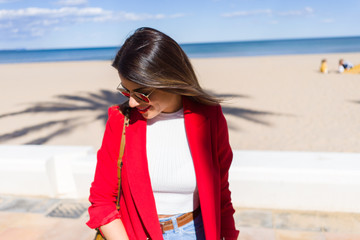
(272, 102)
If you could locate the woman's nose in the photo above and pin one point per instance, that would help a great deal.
(132, 102)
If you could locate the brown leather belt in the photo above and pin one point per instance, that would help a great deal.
(181, 220)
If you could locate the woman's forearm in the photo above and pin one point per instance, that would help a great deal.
(114, 230)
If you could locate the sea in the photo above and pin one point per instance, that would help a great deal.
(195, 50)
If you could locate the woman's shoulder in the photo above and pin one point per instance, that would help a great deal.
(196, 106)
(207, 108)
(114, 112)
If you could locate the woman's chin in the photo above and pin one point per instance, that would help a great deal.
(149, 114)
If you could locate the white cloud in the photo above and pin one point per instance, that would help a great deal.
(72, 2)
(328, 20)
(248, 13)
(73, 14)
(269, 12)
(309, 10)
(36, 22)
(302, 12)
(128, 16)
(35, 13)
(136, 16)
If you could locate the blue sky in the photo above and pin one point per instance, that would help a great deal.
(39, 24)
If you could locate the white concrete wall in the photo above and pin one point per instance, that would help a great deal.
(53, 171)
(296, 180)
(258, 179)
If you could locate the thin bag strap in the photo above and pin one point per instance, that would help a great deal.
(119, 163)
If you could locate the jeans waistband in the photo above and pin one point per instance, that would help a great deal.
(179, 220)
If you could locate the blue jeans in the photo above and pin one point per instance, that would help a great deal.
(193, 230)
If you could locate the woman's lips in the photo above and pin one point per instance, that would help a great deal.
(144, 110)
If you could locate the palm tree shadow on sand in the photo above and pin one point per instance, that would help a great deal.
(98, 103)
(251, 115)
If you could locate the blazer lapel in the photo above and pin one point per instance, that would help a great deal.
(198, 130)
(138, 174)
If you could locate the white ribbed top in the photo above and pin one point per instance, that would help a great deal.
(170, 163)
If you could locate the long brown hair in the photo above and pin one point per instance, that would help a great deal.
(152, 59)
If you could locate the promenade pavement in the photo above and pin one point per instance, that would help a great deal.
(28, 218)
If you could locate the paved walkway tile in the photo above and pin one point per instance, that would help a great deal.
(254, 218)
(33, 205)
(29, 226)
(247, 233)
(28, 233)
(37, 219)
(6, 220)
(297, 221)
(340, 222)
(69, 229)
(55, 219)
(298, 235)
(267, 224)
(337, 236)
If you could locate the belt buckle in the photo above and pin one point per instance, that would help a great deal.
(162, 227)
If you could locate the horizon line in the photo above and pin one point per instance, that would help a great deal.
(184, 43)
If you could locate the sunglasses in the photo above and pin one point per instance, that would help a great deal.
(139, 96)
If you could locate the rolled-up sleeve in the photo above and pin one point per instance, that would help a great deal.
(104, 188)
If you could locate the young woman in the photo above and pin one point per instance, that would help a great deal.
(177, 154)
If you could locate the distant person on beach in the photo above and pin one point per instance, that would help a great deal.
(323, 66)
(344, 65)
(175, 167)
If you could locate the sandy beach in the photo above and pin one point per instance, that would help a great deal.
(272, 102)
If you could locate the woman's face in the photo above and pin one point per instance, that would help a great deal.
(160, 101)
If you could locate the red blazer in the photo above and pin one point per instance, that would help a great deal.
(207, 135)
